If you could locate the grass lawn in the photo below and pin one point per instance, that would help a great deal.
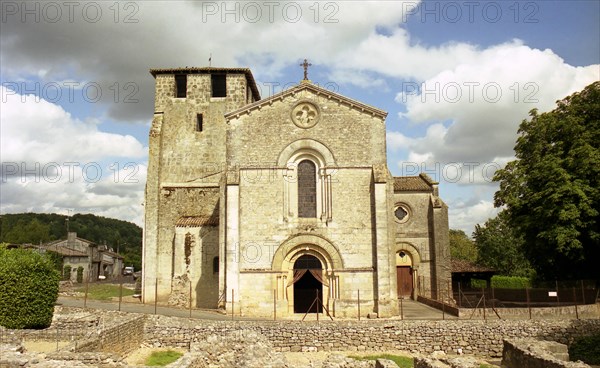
(402, 361)
(162, 358)
(104, 291)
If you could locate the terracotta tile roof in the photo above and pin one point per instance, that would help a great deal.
(209, 70)
(413, 183)
(64, 251)
(463, 266)
(197, 221)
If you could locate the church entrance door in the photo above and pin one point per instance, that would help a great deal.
(405, 280)
(308, 285)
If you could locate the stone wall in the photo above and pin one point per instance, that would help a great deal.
(473, 337)
(530, 353)
(120, 338)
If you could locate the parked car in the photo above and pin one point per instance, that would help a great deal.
(128, 270)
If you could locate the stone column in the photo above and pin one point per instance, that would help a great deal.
(385, 304)
(232, 248)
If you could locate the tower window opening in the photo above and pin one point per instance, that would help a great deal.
(219, 85)
(181, 85)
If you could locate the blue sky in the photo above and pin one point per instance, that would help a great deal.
(455, 77)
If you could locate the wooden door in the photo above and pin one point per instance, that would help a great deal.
(404, 280)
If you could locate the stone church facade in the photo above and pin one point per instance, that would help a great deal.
(253, 202)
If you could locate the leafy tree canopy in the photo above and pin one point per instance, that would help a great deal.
(501, 248)
(461, 247)
(39, 228)
(551, 191)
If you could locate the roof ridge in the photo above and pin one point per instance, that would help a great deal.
(297, 88)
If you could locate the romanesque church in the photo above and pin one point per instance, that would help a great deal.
(255, 205)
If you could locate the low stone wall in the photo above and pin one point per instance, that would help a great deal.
(531, 353)
(121, 338)
(439, 305)
(67, 325)
(473, 337)
(583, 311)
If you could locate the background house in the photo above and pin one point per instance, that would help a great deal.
(96, 259)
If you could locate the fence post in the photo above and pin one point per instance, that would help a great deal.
(459, 298)
(87, 287)
(120, 292)
(483, 296)
(155, 295)
(359, 304)
(318, 302)
(401, 307)
(528, 304)
(190, 299)
(582, 293)
(232, 301)
(575, 301)
(557, 297)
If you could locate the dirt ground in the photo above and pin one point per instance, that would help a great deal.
(43, 346)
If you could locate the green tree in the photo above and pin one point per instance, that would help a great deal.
(552, 190)
(501, 248)
(461, 247)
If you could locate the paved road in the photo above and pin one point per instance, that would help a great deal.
(411, 309)
(137, 307)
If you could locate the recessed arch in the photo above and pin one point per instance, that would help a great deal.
(411, 251)
(307, 146)
(296, 246)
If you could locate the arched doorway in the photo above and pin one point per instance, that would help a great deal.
(404, 274)
(308, 283)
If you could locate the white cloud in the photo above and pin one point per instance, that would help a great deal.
(52, 162)
(464, 216)
(35, 130)
(486, 98)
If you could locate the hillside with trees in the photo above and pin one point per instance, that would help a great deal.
(36, 228)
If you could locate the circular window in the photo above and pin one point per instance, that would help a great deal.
(402, 213)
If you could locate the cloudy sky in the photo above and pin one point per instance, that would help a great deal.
(455, 77)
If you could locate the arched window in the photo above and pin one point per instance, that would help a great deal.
(307, 189)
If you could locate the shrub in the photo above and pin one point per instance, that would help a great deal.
(586, 349)
(28, 289)
(80, 274)
(67, 273)
(138, 286)
(478, 284)
(510, 282)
